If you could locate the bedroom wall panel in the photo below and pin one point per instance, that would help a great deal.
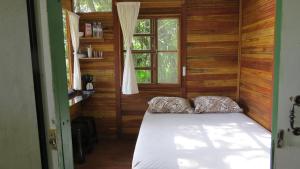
(75, 111)
(256, 59)
(102, 105)
(212, 47)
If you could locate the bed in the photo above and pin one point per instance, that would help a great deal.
(201, 141)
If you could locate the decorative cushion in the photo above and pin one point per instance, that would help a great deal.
(215, 104)
(169, 105)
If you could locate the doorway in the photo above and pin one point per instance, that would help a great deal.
(65, 91)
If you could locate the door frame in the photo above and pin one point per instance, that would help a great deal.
(276, 65)
(37, 83)
(60, 89)
(59, 77)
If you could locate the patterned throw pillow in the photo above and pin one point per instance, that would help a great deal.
(215, 104)
(169, 105)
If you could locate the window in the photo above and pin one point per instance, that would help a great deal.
(66, 46)
(155, 50)
(85, 6)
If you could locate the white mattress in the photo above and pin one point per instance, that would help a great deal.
(201, 141)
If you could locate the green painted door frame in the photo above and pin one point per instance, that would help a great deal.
(278, 24)
(59, 75)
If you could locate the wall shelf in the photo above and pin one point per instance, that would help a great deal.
(91, 58)
(91, 40)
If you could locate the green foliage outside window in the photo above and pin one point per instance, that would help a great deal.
(142, 60)
(141, 43)
(143, 76)
(86, 6)
(66, 48)
(167, 34)
(143, 48)
(143, 26)
(167, 68)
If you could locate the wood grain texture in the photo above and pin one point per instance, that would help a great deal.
(66, 4)
(155, 7)
(118, 60)
(256, 59)
(110, 154)
(102, 105)
(212, 47)
(210, 43)
(211, 40)
(75, 111)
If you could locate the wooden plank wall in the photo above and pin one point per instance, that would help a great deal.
(102, 105)
(75, 111)
(256, 60)
(212, 47)
(210, 52)
(211, 56)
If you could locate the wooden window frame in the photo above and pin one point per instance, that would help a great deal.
(154, 53)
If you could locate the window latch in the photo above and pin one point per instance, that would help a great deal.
(183, 71)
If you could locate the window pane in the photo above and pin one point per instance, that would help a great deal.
(66, 48)
(141, 43)
(167, 34)
(167, 67)
(86, 6)
(142, 59)
(143, 76)
(143, 26)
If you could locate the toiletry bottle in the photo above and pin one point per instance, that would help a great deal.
(90, 51)
(100, 30)
(95, 30)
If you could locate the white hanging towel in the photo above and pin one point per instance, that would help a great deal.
(74, 28)
(128, 14)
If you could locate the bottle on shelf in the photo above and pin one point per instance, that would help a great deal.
(88, 30)
(100, 30)
(95, 54)
(90, 51)
(95, 29)
(100, 54)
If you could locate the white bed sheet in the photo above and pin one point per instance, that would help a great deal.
(201, 141)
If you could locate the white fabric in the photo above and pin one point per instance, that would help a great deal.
(201, 141)
(128, 14)
(74, 28)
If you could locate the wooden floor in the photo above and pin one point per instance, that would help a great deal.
(110, 154)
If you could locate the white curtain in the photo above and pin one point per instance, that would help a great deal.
(128, 14)
(74, 28)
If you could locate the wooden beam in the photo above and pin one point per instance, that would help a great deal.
(240, 50)
(118, 69)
